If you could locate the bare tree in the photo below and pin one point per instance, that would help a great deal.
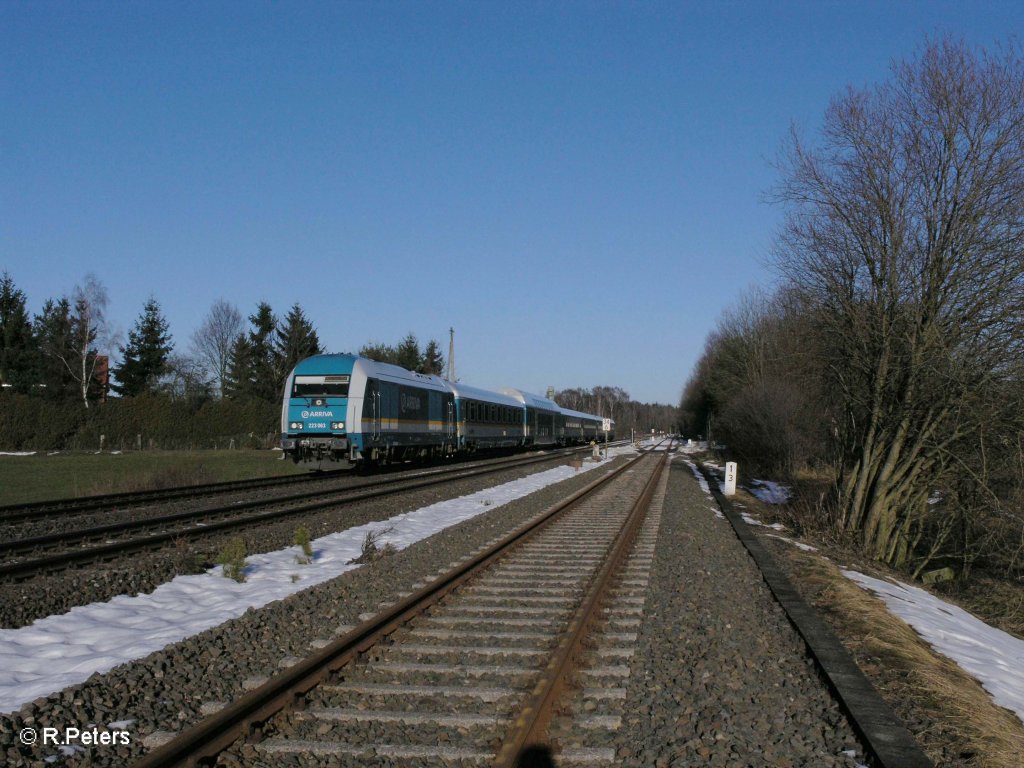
(213, 340)
(905, 236)
(87, 329)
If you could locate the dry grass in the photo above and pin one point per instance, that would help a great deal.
(371, 550)
(948, 711)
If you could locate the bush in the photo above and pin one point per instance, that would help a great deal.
(232, 557)
(302, 540)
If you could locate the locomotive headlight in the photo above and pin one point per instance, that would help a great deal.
(338, 426)
(296, 425)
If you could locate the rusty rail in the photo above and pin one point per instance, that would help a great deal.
(530, 728)
(245, 717)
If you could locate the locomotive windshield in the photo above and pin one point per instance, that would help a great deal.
(320, 386)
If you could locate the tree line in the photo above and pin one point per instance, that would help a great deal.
(55, 354)
(615, 403)
(892, 354)
(225, 389)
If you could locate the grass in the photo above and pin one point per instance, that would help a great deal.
(70, 475)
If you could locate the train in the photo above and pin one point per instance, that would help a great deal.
(355, 411)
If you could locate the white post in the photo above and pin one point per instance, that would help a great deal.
(730, 479)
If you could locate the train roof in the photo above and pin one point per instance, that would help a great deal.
(533, 401)
(486, 395)
(579, 414)
(323, 365)
(346, 363)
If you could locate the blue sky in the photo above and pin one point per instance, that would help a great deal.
(576, 187)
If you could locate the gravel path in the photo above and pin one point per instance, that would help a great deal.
(720, 677)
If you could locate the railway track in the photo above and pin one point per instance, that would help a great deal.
(482, 653)
(537, 641)
(68, 507)
(26, 556)
(42, 510)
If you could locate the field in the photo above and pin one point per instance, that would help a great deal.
(38, 477)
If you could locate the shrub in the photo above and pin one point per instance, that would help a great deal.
(232, 557)
(302, 540)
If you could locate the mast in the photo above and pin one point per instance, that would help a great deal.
(451, 354)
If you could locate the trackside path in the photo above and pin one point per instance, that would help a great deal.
(720, 677)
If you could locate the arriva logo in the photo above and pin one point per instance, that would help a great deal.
(316, 414)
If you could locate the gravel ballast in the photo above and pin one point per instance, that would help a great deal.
(720, 677)
(167, 690)
(21, 603)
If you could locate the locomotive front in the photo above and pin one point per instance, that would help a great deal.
(314, 415)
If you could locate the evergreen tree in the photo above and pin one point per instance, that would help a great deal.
(253, 367)
(263, 371)
(238, 377)
(382, 353)
(433, 360)
(52, 331)
(18, 348)
(146, 354)
(296, 340)
(408, 353)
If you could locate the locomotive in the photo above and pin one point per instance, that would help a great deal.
(356, 411)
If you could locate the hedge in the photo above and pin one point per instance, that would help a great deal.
(148, 421)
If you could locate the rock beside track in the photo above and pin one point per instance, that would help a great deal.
(720, 677)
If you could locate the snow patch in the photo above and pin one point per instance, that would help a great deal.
(993, 657)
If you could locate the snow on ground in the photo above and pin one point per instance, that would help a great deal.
(769, 492)
(751, 520)
(58, 651)
(795, 543)
(17, 453)
(993, 657)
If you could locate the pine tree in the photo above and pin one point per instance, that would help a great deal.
(52, 331)
(382, 353)
(296, 339)
(433, 360)
(18, 348)
(146, 354)
(408, 353)
(263, 372)
(238, 377)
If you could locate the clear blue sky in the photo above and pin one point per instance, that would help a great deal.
(576, 187)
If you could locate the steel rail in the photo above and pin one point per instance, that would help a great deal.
(16, 513)
(81, 535)
(246, 716)
(24, 569)
(530, 728)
